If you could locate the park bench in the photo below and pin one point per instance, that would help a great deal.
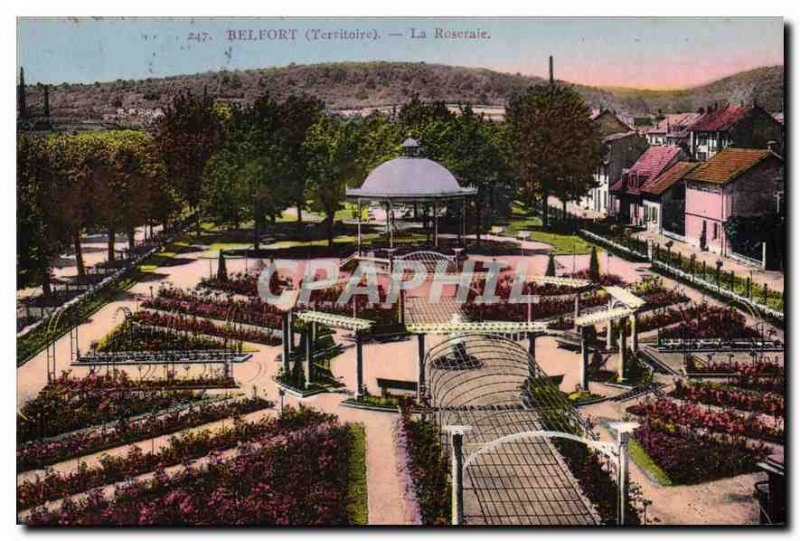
(497, 229)
(523, 235)
(396, 384)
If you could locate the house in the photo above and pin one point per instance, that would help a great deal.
(736, 182)
(620, 150)
(742, 126)
(609, 122)
(626, 196)
(664, 200)
(672, 130)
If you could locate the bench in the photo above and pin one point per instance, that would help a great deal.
(523, 235)
(397, 384)
(497, 229)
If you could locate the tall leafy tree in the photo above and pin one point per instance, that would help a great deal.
(187, 135)
(332, 149)
(295, 117)
(555, 144)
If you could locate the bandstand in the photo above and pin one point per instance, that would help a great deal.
(411, 179)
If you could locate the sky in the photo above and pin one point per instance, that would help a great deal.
(656, 53)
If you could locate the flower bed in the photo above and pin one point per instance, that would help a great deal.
(720, 395)
(689, 457)
(38, 454)
(203, 326)
(132, 336)
(672, 414)
(182, 447)
(251, 312)
(70, 404)
(295, 477)
(427, 468)
(704, 321)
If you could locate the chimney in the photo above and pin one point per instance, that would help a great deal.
(552, 80)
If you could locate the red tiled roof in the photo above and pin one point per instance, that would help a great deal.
(649, 165)
(728, 164)
(721, 119)
(668, 178)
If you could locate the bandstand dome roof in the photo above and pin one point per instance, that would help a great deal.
(410, 177)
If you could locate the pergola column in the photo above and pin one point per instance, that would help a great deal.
(421, 366)
(634, 333)
(457, 473)
(532, 353)
(624, 431)
(609, 338)
(309, 340)
(585, 358)
(622, 345)
(359, 366)
(577, 305)
(285, 336)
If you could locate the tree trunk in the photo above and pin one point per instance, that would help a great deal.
(299, 216)
(256, 230)
(131, 239)
(545, 221)
(329, 225)
(111, 242)
(564, 208)
(197, 228)
(76, 242)
(478, 212)
(46, 290)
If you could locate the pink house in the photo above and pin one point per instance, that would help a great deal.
(626, 196)
(735, 182)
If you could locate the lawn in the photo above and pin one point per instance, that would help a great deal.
(646, 463)
(357, 505)
(562, 244)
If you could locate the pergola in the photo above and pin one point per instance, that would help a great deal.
(336, 321)
(410, 179)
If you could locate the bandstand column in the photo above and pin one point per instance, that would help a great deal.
(435, 225)
(359, 366)
(421, 367)
(464, 220)
(390, 220)
(359, 226)
(584, 358)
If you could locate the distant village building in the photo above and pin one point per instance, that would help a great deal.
(672, 130)
(664, 200)
(609, 122)
(736, 182)
(741, 126)
(626, 196)
(620, 151)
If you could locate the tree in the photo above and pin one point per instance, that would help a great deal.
(473, 151)
(222, 270)
(40, 235)
(551, 266)
(295, 116)
(332, 150)
(594, 266)
(187, 135)
(555, 144)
